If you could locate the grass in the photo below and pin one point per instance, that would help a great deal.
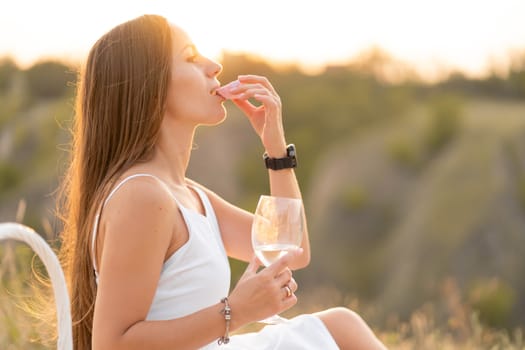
(17, 327)
(462, 330)
(421, 332)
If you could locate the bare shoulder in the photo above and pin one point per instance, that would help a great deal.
(141, 204)
(145, 194)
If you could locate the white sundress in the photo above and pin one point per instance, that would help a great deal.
(197, 276)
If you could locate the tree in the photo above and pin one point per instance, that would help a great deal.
(49, 79)
(8, 69)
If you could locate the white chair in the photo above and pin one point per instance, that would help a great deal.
(43, 250)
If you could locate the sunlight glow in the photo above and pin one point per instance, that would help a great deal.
(432, 35)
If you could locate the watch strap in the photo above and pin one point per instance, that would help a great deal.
(288, 162)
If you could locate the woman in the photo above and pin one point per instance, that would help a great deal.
(145, 247)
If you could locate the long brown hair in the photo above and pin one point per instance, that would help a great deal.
(120, 104)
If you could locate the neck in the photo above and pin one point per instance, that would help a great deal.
(173, 150)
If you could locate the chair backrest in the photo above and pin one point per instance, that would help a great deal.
(43, 250)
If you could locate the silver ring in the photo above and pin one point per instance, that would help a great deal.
(288, 291)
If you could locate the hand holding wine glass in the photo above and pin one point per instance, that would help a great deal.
(277, 228)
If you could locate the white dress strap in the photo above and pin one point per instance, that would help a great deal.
(97, 216)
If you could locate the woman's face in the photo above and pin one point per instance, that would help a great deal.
(191, 91)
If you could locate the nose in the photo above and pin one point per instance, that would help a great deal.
(214, 68)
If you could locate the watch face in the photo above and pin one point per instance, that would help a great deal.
(291, 150)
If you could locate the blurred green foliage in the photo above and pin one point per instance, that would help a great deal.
(8, 69)
(353, 198)
(10, 176)
(405, 152)
(521, 190)
(49, 79)
(493, 300)
(445, 113)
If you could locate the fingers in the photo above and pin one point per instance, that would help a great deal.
(253, 265)
(283, 262)
(245, 106)
(252, 268)
(284, 277)
(254, 87)
(267, 292)
(257, 91)
(289, 289)
(285, 284)
(243, 93)
(257, 79)
(288, 302)
(293, 285)
(265, 118)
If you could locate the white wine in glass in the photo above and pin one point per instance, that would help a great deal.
(277, 228)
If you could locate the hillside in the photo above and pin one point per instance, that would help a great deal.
(402, 230)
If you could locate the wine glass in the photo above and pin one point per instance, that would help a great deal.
(277, 228)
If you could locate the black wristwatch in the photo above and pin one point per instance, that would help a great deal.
(290, 161)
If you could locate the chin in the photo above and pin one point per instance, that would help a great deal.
(218, 118)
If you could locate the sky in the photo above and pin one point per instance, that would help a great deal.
(431, 35)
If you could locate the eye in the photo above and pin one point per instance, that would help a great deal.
(193, 58)
(193, 55)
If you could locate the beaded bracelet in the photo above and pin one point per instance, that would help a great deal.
(225, 339)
